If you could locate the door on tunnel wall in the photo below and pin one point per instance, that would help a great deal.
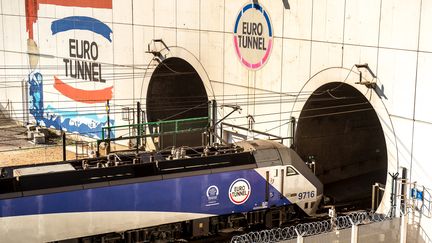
(176, 92)
(340, 130)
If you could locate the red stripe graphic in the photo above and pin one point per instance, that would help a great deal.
(84, 96)
(79, 3)
(239, 202)
(32, 8)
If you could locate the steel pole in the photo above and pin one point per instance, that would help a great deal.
(138, 141)
(64, 145)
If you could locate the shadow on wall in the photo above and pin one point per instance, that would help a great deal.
(6, 111)
(417, 234)
(380, 91)
(3, 112)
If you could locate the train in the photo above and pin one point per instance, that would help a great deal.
(164, 196)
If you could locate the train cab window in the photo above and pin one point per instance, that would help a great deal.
(290, 171)
(306, 205)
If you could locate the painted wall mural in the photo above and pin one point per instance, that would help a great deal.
(81, 47)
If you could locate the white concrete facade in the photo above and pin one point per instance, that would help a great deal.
(314, 42)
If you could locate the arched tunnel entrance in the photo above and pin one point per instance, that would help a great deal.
(176, 91)
(339, 128)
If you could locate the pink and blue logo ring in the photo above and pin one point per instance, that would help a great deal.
(259, 64)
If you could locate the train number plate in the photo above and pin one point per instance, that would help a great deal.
(306, 195)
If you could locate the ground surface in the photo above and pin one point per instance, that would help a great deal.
(16, 149)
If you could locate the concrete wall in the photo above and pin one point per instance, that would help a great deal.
(314, 42)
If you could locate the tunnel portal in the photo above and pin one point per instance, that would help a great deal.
(340, 130)
(176, 91)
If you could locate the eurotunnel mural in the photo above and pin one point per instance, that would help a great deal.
(80, 80)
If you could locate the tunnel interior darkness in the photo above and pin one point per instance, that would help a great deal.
(176, 91)
(341, 130)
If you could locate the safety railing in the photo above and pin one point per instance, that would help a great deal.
(158, 131)
(420, 200)
(160, 127)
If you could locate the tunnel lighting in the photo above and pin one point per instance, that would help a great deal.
(364, 68)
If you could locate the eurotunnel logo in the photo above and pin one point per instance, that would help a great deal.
(82, 59)
(239, 191)
(253, 36)
(82, 63)
(83, 49)
(212, 194)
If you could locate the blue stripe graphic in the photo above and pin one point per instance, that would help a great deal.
(241, 14)
(259, 8)
(237, 22)
(268, 23)
(81, 23)
(188, 194)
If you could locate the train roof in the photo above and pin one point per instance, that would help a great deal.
(152, 166)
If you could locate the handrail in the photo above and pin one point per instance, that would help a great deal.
(157, 123)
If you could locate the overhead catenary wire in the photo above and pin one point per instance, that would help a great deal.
(288, 120)
(182, 106)
(182, 110)
(125, 102)
(256, 99)
(241, 99)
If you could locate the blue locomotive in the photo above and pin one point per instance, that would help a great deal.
(186, 192)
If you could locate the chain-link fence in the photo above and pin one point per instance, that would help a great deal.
(310, 229)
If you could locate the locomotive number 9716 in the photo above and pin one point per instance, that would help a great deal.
(305, 195)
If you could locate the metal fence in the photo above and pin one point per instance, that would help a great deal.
(341, 226)
(162, 133)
